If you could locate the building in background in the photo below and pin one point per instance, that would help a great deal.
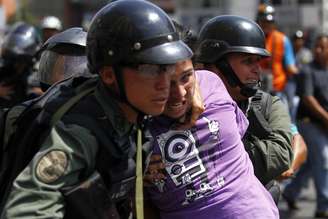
(291, 14)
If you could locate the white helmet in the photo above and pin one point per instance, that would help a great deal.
(51, 22)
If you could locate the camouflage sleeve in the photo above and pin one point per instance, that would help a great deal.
(272, 155)
(68, 152)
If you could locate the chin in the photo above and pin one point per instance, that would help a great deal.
(154, 111)
(174, 115)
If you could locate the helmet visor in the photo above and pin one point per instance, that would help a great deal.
(151, 71)
(167, 53)
(56, 67)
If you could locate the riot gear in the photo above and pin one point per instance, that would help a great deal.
(266, 13)
(74, 37)
(119, 36)
(22, 41)
(63, 55)
(230, 34)
(18, 55)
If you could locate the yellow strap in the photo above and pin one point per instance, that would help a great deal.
(139, 180)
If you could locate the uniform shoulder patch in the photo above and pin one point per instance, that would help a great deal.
(51, 166)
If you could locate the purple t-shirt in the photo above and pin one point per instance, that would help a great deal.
(208, 172)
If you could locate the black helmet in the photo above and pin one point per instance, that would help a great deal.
(132, 32)
(63, 55)
(265, 12)
(22, 41)
(226, 34)
(230, 34)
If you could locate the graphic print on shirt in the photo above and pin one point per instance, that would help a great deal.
(181, 156)
(184, 165)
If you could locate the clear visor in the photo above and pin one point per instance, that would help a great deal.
(153, 71)
(55, 67)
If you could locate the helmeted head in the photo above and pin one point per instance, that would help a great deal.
(223, 35)
(266, 17)
(265, 12)
(298, 40)
(62, 56)
(20, 47)
(119, 35)
(133, 33)
(50, 25)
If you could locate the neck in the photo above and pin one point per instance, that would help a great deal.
(130, 114)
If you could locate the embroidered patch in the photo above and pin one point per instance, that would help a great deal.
(51, 166)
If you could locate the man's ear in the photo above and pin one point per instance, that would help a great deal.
(107, 75)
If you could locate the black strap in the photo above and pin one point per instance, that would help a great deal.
(233, 80)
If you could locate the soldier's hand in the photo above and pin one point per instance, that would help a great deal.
(197, 109)
(287, 174)
(155, 170)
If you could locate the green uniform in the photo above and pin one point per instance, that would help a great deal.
(271, 154)
(67, 156)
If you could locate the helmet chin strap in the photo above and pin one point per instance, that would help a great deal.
(123, 98)
(247, 90)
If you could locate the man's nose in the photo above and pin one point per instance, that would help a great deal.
(163, 81)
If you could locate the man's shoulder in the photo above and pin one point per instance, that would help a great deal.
(279, 33)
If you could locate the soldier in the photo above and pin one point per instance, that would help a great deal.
(18, 54)
(232, 47)
(63, 55)
(134, 52)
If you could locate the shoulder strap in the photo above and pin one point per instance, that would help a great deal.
(262, 102)
(68, 105)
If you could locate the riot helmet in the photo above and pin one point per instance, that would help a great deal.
(119, 35)
(132, 32)
(63, 55)
(22, 41)
(230, 34)
(265, 12)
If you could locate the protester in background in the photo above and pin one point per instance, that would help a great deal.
(279, 69)
(50, 25)
(303, 55)
(313, 123)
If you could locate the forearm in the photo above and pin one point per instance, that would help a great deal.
(300, 152)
